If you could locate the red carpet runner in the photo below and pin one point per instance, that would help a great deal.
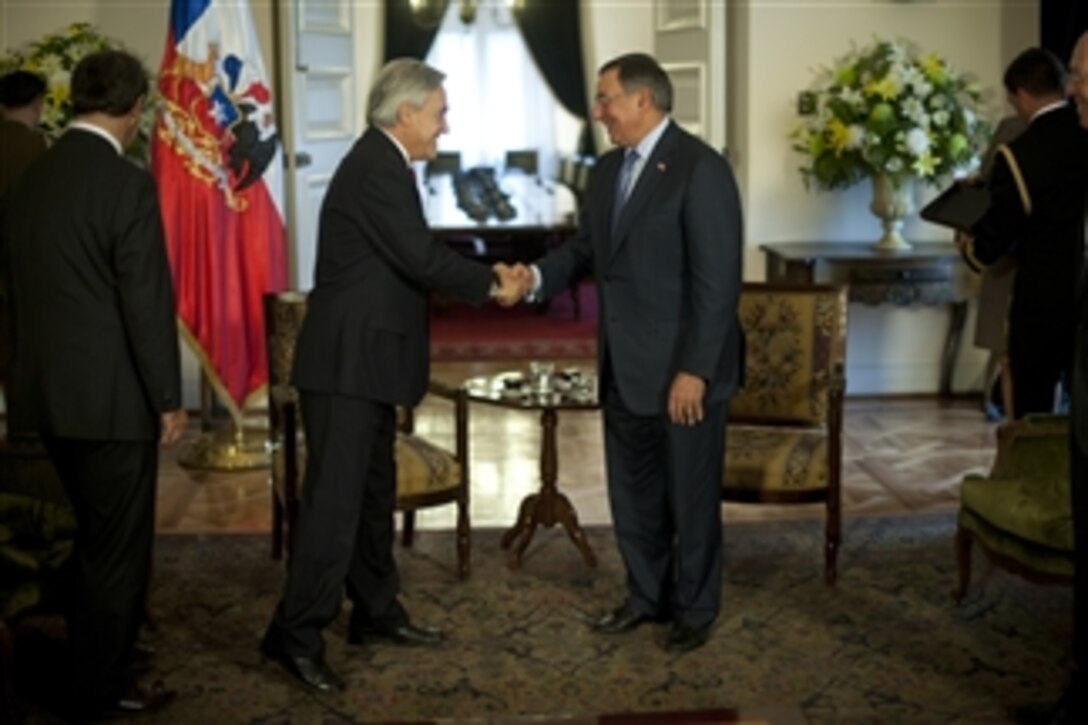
(461, 332)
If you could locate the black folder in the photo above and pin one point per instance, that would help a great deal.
(959, 206)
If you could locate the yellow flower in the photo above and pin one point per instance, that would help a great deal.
(933, 67)
(886, 88)
(926, 164)
(838, 135)
(58, 94)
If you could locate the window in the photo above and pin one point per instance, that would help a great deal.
(498, 99)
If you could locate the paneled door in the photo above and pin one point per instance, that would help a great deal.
(317, 39)
(689, 42)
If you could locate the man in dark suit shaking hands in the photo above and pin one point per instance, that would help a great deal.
(362, 350)
(662, 234)
(95, 369)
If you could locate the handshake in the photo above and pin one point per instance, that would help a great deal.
(514, 283)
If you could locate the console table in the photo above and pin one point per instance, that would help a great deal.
(926, 274)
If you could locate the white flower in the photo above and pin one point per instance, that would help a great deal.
(915, 111)
(852, 96)
(941, 118)
(855, 137)
(894, 165)
(917, 141)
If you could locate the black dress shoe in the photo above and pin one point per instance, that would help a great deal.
(311, 671)
(620, 620)
(138, 700)
(406, 633)
(685, 637)
(135, 701)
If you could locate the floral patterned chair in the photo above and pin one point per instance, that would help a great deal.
(1021, 515)
(426, 474)
(784, 438)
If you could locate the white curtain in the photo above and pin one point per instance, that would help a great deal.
(498, 100)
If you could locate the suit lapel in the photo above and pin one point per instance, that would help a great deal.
(642, 195)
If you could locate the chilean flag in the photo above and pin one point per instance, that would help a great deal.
(216, 155)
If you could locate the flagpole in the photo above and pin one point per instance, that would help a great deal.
(224, 443)
(217, 162)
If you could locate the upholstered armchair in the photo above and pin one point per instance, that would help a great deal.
(784, 435)
(427, 475)
(1020, 514)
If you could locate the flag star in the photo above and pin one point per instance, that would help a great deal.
(218, 113)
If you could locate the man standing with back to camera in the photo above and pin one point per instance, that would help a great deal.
(662, 235)
(96, 364)
(1037, 213)
(362, 350)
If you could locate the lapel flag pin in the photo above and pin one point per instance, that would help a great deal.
(661, 166)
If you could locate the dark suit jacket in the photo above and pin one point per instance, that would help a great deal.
(1048, 243)
(19, 146)
(669, 278)
(1079, 407)
(92, 304)
(366, 327)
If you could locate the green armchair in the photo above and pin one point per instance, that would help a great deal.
(37, 532)
(1020, 515)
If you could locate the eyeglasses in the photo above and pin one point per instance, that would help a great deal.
(600, 100)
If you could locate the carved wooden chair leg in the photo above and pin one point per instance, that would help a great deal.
(408, 529)
(963, 563)
(463, 541)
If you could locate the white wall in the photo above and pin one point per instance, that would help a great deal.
(773, 47)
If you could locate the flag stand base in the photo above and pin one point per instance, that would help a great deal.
(227, 450)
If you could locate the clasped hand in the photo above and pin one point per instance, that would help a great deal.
(515, 282)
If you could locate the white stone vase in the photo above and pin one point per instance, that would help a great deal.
(891, 204)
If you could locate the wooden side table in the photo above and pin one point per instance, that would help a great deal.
(548, 506)
(923, 275)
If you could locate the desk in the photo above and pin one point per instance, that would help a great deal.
(923, 275)
(546, 216)
(548, 506)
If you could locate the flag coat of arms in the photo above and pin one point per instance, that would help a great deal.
(216, 155)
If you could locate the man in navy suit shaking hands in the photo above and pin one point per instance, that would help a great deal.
(662, 234)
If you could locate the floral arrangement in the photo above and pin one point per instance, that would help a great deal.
(54, 57)
(889, 109)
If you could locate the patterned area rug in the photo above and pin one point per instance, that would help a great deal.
(886, 644)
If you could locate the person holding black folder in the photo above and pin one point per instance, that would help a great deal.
(1036, 211)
